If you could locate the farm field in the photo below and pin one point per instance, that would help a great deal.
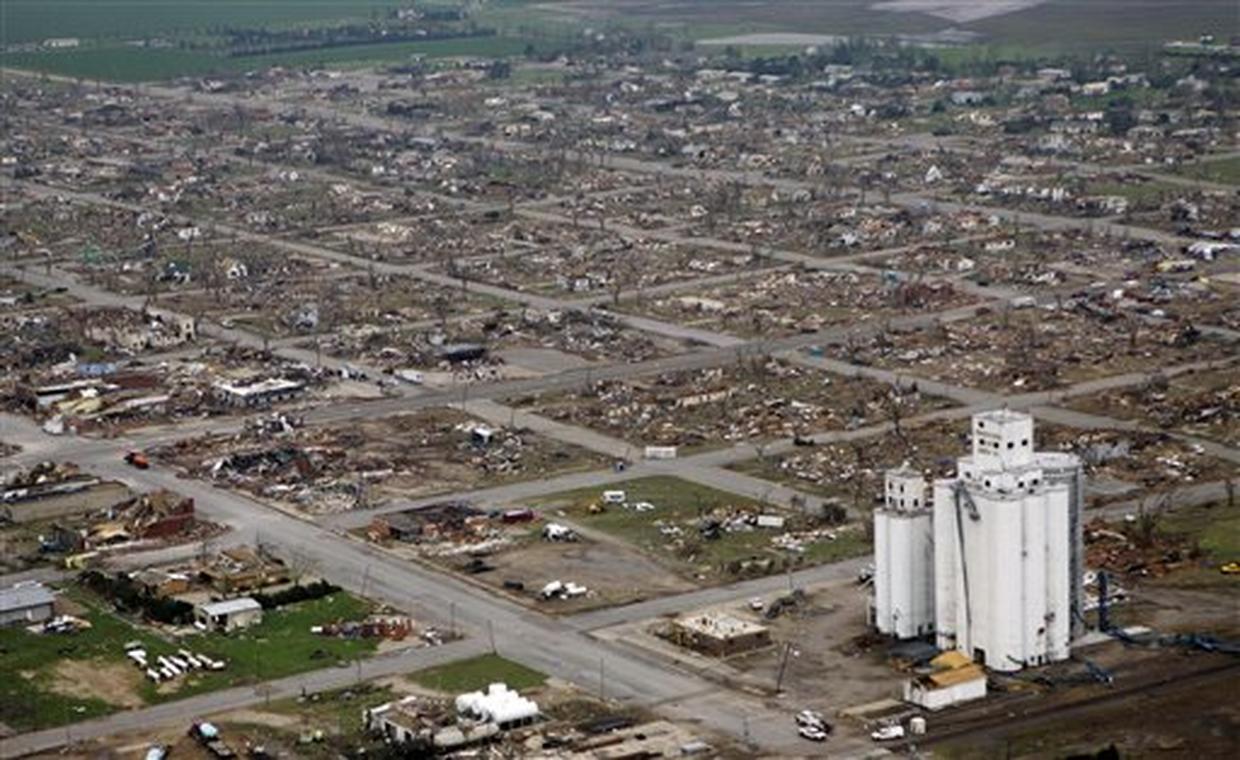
(35, 20)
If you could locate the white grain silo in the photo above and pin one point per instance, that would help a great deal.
(1004, 544)
(904, 557)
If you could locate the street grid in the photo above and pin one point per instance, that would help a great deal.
(562, 647)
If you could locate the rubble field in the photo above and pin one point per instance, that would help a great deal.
(198, 276)
(437, 239)
(338, 298)
(84, 237)
(827, 226)
(107, 398)
(705, 535)
(57, 340)
(652, 203)
(18, 297)
(286, 200)
(495, 343)
(799, 300)
(1204, 404)
(1038, 262)
(582, 262)
(754, 400)
(1035, 349)
(1208, 214)
(334, 468)
(1118, 464)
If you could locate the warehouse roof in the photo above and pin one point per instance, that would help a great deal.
(24, 596)
(230, 606)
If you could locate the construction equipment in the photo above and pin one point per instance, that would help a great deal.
(137, 459)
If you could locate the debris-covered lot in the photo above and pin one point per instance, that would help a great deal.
(535, 558)
(754, 400)
(496, 342)
(338, 467)
(706, 535)
(1205, 404)
(578, 262)
(1118, 464)
(1038, 348)
(788, 302)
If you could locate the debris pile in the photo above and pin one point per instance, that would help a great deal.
(332, 468)
(750, 401)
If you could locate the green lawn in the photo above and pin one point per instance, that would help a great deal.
(281, 645)
(1216, 531)
(1226, 171)
(477, 673)
(682, 504)
(1140, 194)
(27, 661)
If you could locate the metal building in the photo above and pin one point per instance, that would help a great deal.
(904, 557)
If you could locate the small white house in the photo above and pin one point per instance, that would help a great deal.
(230, 614)
(955, 679)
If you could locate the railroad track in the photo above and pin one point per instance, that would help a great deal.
(967, 726)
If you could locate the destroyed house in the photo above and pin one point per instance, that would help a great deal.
(259, 393)
(428, 523)
(719, 635)
(461, 352)
(242, 568)
(156, 515)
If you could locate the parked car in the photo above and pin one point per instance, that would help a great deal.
(887, 733)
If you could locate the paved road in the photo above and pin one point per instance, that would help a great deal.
(556, 646)
(547, 644)
(185, 711)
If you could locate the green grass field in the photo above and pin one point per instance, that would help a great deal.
(1215, 529)
(36, 20)
(681, 503)
(128, 64)
(33, 695)
(477, 673)
(1226, 171)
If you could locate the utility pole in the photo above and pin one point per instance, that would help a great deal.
(783, 666)
(491, 635)
(602, 681)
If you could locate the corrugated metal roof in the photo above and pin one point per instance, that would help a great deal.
(951, 659)
(231, 606)
(24, 597)
(957, 676)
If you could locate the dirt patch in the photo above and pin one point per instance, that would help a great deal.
(614, 573)
(259, 718)
(113, 683)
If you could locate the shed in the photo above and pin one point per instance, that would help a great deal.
(954, 678)
(230, 614)
(26, 603)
